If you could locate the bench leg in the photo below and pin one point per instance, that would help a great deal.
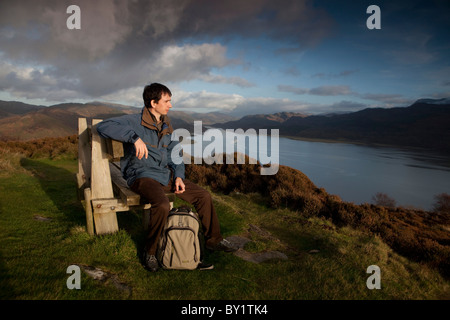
(88, 209)
(105, 222)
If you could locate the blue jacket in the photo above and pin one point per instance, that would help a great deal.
(158, 164)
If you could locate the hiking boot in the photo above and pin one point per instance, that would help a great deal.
(150, 262)
(205, 266)
(223, 245)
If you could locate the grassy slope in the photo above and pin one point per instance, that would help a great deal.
(35, 254)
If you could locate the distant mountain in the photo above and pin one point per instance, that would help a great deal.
(182, 119)
(55, 121)
(11, 108)
(213, 117)
(19, 121)
(260, 121)
(424, 124)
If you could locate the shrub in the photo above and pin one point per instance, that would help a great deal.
(442, 204)
(382, 199)
(63, 147)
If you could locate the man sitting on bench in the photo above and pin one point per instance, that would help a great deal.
(147, 165)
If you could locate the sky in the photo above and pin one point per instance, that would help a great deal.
(238, 57)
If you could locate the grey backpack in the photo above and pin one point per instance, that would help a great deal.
(179, 244)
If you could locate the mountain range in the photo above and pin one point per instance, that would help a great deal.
(424, 124)
(20, 121)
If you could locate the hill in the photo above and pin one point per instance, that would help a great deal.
(424, 124)
(416, 234)
(24, 122)
(11, 108)
(419, 235)
(54, 121)
(260, 121)
(328, 243)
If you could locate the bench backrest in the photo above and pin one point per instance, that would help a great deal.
(98, 167)
(94, 156)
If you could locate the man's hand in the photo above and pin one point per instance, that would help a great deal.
(141, 149)
(179, 185)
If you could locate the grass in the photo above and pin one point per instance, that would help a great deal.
(42, 232)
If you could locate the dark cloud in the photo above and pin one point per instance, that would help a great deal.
(387, 100)
(123, 44)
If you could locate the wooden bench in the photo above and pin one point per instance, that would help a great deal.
(101, 187)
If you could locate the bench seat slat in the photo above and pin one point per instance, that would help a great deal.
(129, 197)
(113, 204)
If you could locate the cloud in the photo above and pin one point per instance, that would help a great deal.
(239, 105)
(344, 73)
(123, 44)
(330, 90)
(318, 91)
(182, 63)
(34, 83)
(292, 89)
(38, 30)
(412, 53)
(388, 100)
(236, 104)
(439, 95)
(295, 20)
(292, 71)
(385, 100)
(207, 101)
(237, 81)
(169, 64)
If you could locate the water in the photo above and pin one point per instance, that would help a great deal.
(356, 172)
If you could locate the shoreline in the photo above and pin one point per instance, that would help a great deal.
(437, 152)
(441, 152)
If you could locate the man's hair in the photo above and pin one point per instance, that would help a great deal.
(153, 92)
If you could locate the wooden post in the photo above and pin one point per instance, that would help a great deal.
(101, 186)
(84, 157)
(88, 209)
(115, 149)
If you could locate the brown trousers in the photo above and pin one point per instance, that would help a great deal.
(155, 193)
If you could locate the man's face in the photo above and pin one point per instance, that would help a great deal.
(163, 105)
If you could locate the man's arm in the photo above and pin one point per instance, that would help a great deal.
(120, 129)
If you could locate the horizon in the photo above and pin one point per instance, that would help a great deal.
(230, 113)
(311, 57)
